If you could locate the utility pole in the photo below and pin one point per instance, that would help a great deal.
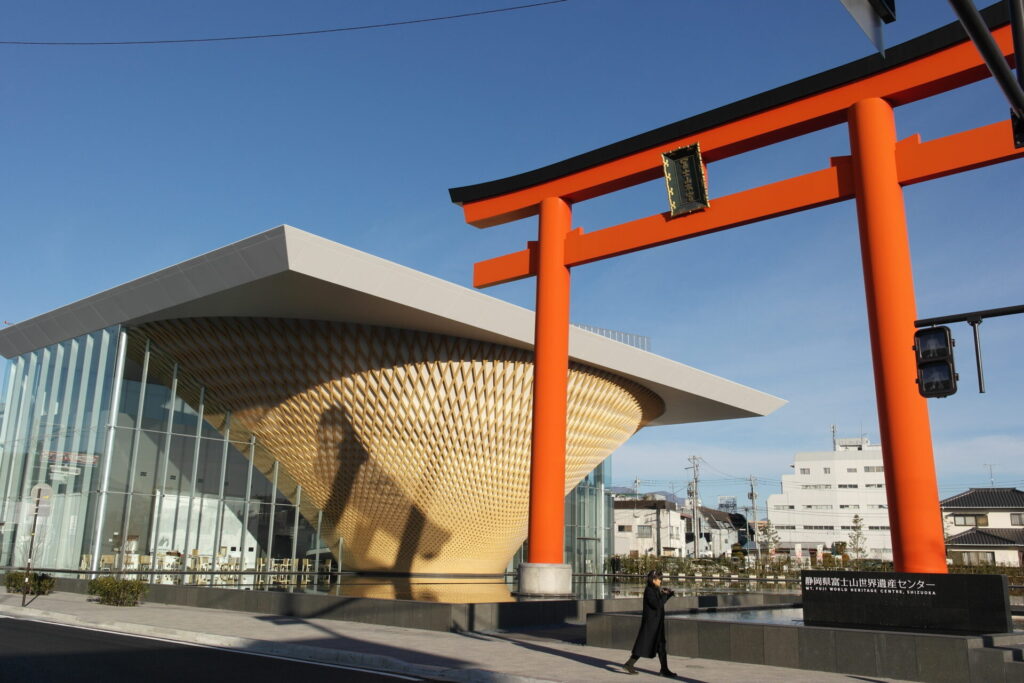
(657, 524)
(753, 502)
(692, 491)
(991, 479)
(636, 497)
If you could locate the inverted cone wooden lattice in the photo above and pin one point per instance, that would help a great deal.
(415, 446)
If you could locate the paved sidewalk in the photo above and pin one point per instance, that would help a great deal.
(507, 657)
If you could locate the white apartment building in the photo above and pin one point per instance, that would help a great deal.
(823, 494)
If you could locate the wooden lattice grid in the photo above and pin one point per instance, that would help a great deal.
(416, 446)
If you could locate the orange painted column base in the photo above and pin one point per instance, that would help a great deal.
(914, 515)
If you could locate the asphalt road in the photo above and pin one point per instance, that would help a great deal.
(35, 652)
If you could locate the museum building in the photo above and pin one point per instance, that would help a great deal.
(286, 400)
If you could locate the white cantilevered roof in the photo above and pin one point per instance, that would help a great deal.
(289, 273)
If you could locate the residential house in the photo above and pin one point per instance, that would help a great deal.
(648, 525)
(985, 526)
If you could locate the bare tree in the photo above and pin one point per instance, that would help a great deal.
(855, 548)
(769, 536)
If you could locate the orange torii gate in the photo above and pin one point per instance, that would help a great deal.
(861, 94)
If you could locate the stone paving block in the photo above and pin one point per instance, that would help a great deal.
(817, 649)
(747, 643)
(681, 637)
(856, 653)
(897, 655)
(713, 640)
(987, 666)
(942, 659)
(782, 646)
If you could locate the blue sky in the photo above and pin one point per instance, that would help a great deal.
(120, 161)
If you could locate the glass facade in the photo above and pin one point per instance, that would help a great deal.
(142, 467)
(589, 514)
(144, 471)
(54, 432)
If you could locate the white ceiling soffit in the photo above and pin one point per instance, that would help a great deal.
(289, 273)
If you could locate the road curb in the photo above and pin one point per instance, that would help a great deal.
(307, 653)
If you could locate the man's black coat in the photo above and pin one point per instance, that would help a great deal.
(652, 623)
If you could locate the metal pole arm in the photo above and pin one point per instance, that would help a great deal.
(979, 34)
(967, 317)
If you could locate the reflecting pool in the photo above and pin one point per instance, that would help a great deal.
(768, 615)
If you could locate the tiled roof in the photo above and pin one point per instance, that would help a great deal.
(717, 515)
(641, 504)
(990, 498)
(985, 536)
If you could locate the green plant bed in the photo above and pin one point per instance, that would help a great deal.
(117, 592)
(38, 584)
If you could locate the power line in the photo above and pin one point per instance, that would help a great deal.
(735, 478)
(279, 35)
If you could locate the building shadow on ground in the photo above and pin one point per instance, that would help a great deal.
(582, 658)
(45, 653)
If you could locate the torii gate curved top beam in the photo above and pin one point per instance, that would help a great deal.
(936, 62)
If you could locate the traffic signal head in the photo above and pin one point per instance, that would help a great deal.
(936, 372)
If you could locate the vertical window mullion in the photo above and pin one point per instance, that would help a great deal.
(39, 406)
(78, 426)
(8, 429)
(273, 508)
(53, 405)
(243, 542)
(295, 528)
(133, 457)
(108, 447)
(94, 428)
(219, 525)
(319, 544)
(192, 476)
(68, 400)
(160, 494)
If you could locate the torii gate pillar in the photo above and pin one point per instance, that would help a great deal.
(545, 572)
(915, 519)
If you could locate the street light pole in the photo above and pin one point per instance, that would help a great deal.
(31, 545)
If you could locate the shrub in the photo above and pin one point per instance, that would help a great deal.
(117, 592)
(13, 581)
(38, 584)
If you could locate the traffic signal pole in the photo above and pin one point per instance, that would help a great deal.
(911, 486)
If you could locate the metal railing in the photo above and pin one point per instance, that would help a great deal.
(237, 578)
(737, 578)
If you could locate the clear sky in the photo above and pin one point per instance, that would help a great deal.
(119, 161)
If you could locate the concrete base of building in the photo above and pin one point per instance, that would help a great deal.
(542, 580)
